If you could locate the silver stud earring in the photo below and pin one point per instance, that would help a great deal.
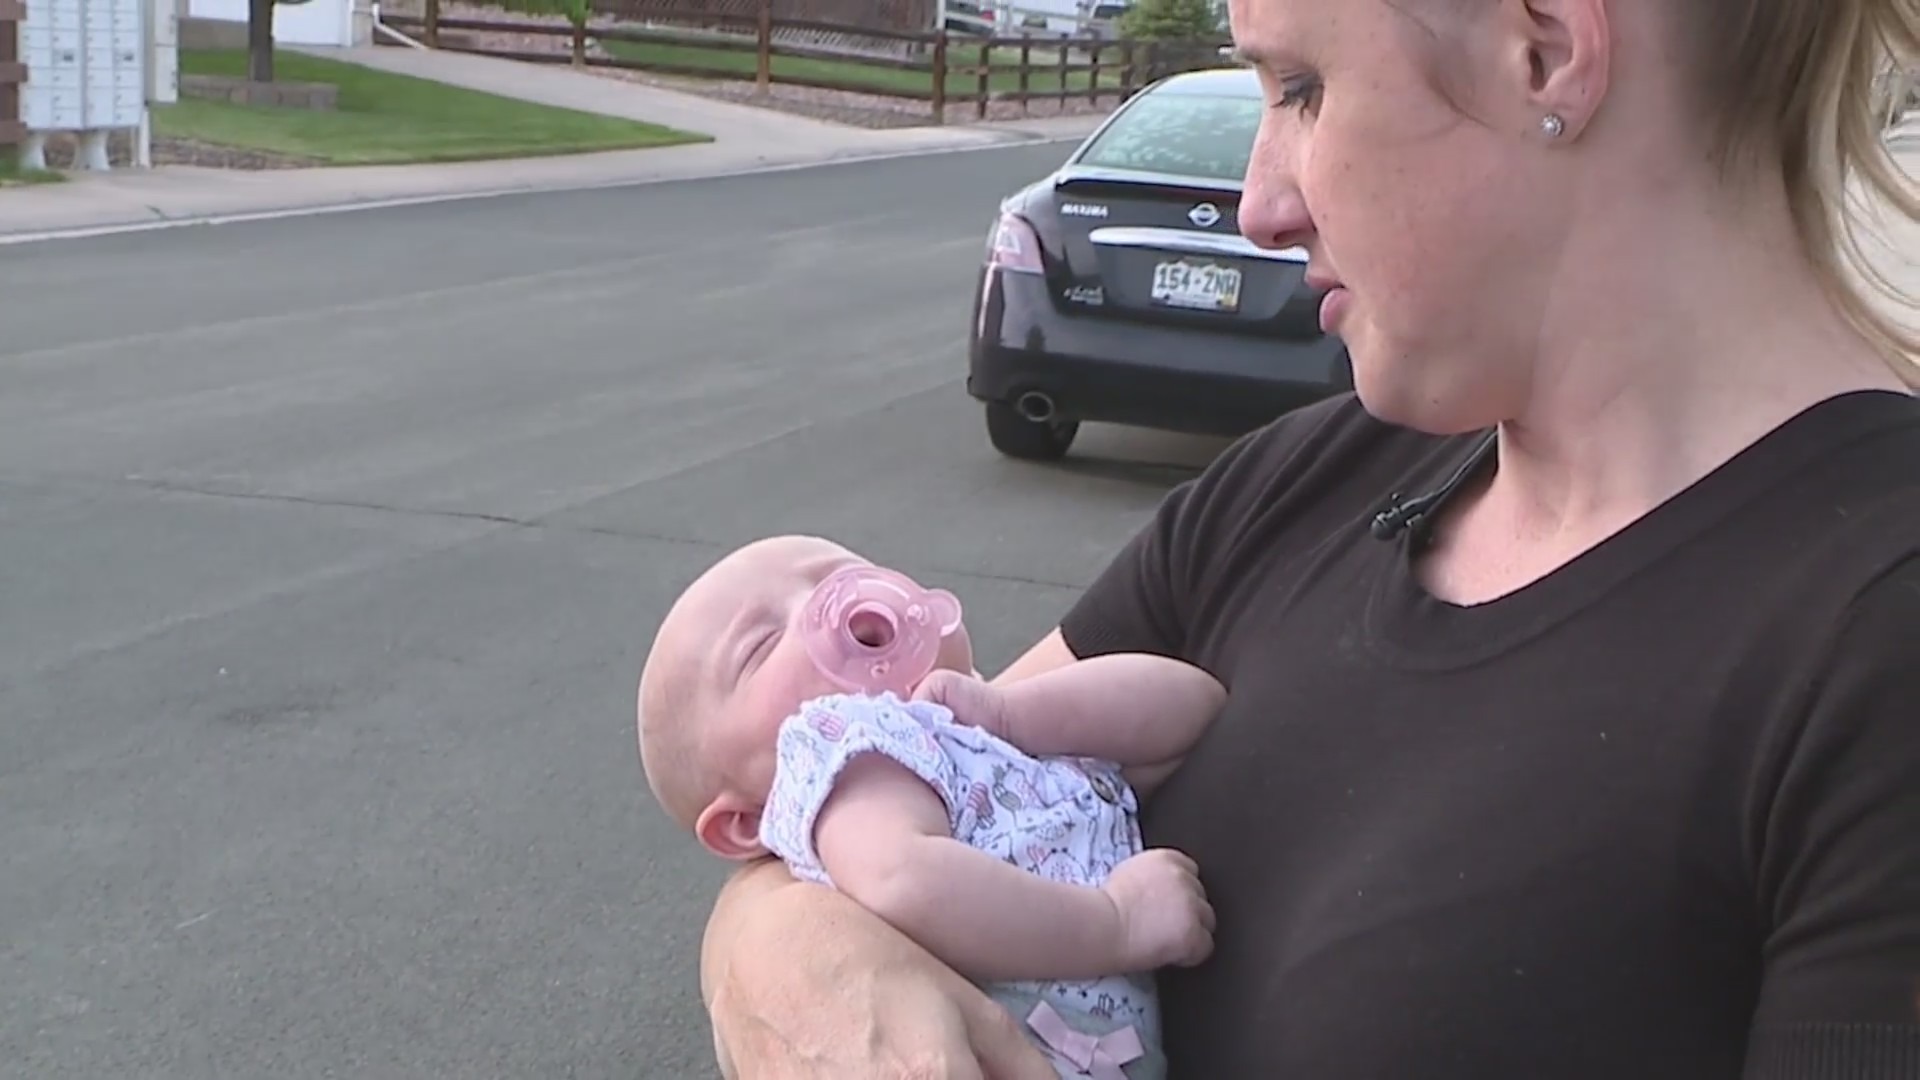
(1552, 126)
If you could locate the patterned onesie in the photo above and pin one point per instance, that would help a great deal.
(1068, 819)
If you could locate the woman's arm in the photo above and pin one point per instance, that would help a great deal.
(751, 887)
(802, 983)
(1048, 654)
(1836, 826)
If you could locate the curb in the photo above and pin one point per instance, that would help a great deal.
(1003, 139)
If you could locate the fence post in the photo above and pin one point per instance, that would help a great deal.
(763, 48)
(1026, 65)
(986, 67)
(430, 25)
(940, 76)
(580, 44)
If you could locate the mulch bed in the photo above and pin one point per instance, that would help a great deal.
(62, 148)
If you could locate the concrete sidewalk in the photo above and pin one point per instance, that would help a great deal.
(745, 139)
(181, 194)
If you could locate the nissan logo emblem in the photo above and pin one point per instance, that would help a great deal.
(1206, 215)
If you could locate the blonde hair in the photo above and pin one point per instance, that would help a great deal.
(1802, 82)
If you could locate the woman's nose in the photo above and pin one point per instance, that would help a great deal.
(1272, 212)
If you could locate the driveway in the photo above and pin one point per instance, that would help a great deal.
(328, 551)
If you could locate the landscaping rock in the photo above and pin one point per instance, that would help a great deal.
(319, 97)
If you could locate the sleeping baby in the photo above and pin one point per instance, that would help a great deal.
(801, 702)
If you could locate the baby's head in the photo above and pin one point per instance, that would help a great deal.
(727, 666)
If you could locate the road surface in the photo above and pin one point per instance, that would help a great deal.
(328, 551)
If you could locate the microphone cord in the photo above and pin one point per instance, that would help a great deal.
(1410, 515)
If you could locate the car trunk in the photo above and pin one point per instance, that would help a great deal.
(1168, 250)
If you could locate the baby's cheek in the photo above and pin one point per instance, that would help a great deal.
(956, 652)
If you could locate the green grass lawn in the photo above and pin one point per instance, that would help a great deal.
(12, 175)
(386, 119)
(1043, 73)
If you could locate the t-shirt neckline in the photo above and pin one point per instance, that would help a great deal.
(1411, 627)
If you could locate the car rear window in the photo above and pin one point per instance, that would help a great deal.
(1199, 135)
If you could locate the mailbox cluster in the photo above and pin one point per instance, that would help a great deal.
(86, 74)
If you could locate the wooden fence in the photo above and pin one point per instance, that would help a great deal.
(13, 73)
(930, 66)
(898, 15)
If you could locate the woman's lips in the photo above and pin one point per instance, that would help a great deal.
(1333, 308)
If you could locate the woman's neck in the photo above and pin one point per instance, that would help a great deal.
(1683, 329)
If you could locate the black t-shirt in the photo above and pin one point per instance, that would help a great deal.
(1656, 815)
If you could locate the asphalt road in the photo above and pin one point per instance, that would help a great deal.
(328, 552)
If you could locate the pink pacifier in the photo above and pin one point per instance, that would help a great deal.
(872, 630)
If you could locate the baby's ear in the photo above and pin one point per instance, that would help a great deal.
(730, 828)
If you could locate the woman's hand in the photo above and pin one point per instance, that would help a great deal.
(802, 983)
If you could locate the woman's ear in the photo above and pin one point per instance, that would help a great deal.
(730, 828)
(1559, 54)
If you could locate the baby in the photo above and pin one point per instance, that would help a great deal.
(993, 825)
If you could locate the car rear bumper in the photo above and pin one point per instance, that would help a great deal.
(1140, 374)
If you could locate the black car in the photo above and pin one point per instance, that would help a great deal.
(1119, 289)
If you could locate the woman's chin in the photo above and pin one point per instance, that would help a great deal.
(1381, 379)
(1397, 390)
(1388, 406)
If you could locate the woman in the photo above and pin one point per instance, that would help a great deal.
(1592, 751)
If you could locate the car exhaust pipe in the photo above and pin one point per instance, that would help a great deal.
(1035, 405)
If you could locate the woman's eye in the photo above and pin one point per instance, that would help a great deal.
(1301, 92)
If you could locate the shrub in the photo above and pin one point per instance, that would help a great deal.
(1170, 20)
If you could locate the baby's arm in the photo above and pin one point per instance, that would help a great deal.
(884, 839)
(1142, 712)
(865, 793)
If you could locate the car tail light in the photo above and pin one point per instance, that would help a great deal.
(1015, 247)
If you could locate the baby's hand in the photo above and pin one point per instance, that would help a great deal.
(973, 701)
(1164, 914)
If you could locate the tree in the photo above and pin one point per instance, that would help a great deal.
(260, 40)
(576, 12)
(1170, 20)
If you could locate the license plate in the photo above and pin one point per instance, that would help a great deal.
(1201, 286)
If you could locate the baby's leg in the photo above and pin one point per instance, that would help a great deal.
(1117, 1018)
